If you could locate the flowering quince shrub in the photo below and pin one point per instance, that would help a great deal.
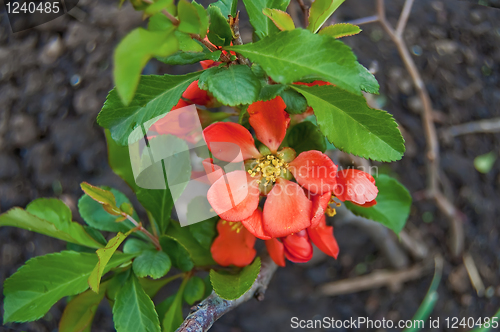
(294, 93)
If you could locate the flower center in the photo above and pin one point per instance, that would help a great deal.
(270, 168)
(330, 211)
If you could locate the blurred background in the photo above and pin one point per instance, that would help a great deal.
(54, 79)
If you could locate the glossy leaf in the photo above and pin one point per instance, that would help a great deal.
(104, 255)
(340, 30)
(173, 317)
(262, 25)
(152, 287)
(133, 309)
(79, 312)
(201, 256)
(156, 95)
(152, 263)
(280, 18)
(102, 196)
(44, 280)
(133, 245)
(119, 161)
(295, 102)
(187, 58)
(178, 253)
(232, 286)
(194, 291)
(193, 18)
(306, 136)
(320, 11)
(270, 91)
(219, 33)
(132, 54)
(159, 202)
(233, 86)
(227, 7)
(393, 204)
(159, 5)
(293, 56)
(371, 133)
(94, 214)
(50, 217)
(186, 43)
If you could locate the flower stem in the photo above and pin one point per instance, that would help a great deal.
(139, 227)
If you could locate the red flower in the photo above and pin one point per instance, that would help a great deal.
(322, 237)
(356, 186)
(233, 245)
(235, 197)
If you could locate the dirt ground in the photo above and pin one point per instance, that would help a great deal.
(54, 80)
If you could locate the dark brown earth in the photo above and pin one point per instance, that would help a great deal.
(54, 80)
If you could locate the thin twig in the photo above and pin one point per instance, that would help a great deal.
(305, 11)
(473, 273)
(365, 20)
(403, 18)
(204, 315)
(483, 126)
(237, 39)
(141, 228)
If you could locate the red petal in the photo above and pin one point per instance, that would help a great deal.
(367, 204)
(277, 251)
(356, 186)
(233, 245)
(269, 120)
(235, 196)
(205, 64)
(319, 204)
(314, 171)
(287, 209)
(195, 95)
(226, 139)
(322, 237)
(254, 225)
(298, 248)
(213, 172)
(178, 121)
(318, 83)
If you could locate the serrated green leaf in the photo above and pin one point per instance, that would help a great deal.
(133, 309)
(173, 317)
(133, 246)
(201, 256)
(262, 25)
(159, 202)
(187, 58)
(132, 54)
(119, 161)
(102, 196)
(340, 30)
(152, 263)
(280, 18)
(194, 291)
(320, 11)
(297, 55)
(306, 136)
(79, 312)
(219, 33)
(270, 91)
(156, 95)
(232, 286)
(94, 215)
(50, 217)
(393, 204)
(227, 7)
(352, 126)
(44, 280)
(233, 86)
(159, 5)
(104, 255)
(295, 102)
(178, 253)
(193, 18)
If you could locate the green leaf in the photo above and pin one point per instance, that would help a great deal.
(133, 309)
(292, 56)
(119, 161)
(159, 5)
(173, 317)
(133, 246)
(320, 11)
(102, 196)
(219, 33)
(193, 18)
(352, 126)
(156, 95)
(132, 54)
(159, 22)
(187, 58)
(280, 18)
(195, 289)
(227, 7)
(44, 280)
(159, 202)
(152, 287)
(484, 163)
(232, 286)
(204, 231)
(50, 217)
(94, 214)
(393, 204)
(233, 86)
(270, 91)
(186, 43)
(340, 30)
(295, 102)
(306, 136)
(79, 312)
(262, 25)
(104, 255)
(178, 253)
(201, 256)
(163, 307)
(151, 263)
